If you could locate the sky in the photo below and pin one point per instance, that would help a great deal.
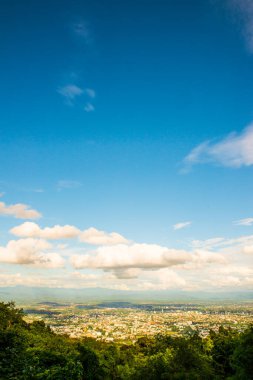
(126, 144)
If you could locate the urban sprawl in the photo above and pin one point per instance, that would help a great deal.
(122, 321)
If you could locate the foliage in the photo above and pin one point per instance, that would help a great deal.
(32, 351)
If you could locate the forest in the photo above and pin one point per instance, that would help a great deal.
(33, 351)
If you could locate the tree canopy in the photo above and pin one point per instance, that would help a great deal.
(33, 351)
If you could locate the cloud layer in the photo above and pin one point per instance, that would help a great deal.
(118, 263)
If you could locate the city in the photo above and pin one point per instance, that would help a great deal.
(126, 322)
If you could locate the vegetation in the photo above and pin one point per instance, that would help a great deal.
(33, 351)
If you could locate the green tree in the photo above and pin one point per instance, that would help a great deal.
(242, 359)
(92, 369)
(224, 343)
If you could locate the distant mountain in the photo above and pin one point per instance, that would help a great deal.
(30, 295)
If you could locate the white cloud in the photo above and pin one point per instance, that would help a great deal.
(164, 279)
(70, 280)
(10, 279)
(96, 237)
(19, 211)
(236, 150)
(244, 222)
(179, 226)
(208, 257)
(248, 249)
(117, 263)
(70, 92)
(30, 252)
(29, 229)
(234, 270)
(90, 236)
(89, 107)
(122, 256)
(207, 244)
(221, 243)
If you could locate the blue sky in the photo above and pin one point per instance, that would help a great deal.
(131, 117)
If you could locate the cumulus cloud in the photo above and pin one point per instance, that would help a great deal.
(121, 264)
(179, 226)
(244, 222)
(97, 237)
(126, 273)
(90, 236)
(122, 256)
(19, 211)
(33, 230)
(30, 252)
(235, 151)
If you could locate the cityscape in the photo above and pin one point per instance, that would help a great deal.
(126, 322)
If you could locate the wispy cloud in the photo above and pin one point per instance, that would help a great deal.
(244, 222)
(90, 92)
(19, 211)
(235, 151)
(68, 184)
(245, 9)
(38, 190)
(89, 107)
(221, 243)
(70, 92)
(82, 30)
(180, 225)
